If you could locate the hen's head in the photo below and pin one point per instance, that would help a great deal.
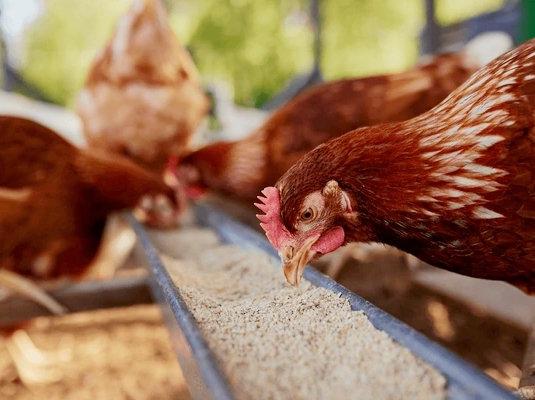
(160, 208)
(161, 211)
(144, 48)
(303, 226)
(186, 171)
(204, 169)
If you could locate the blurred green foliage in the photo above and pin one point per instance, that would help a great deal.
(254, 45)
(60, 46)
(249, 43)
(369, 37)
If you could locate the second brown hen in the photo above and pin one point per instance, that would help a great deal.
(142, 97)
(243, 168)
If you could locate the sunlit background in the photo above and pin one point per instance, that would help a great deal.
(253, 50)
(253, 46)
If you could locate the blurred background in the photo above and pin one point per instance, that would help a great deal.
(258, 54)
(254, 47)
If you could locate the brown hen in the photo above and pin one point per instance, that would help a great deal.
(242, 168)
(54, 203)
(142, 97)
(55, 198)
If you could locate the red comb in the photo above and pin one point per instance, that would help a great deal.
(172, 163)
(276, 232)
(171, 168)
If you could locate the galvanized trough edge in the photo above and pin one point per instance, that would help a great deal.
(464, 380)
(203, 376)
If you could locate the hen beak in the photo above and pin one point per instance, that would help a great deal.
(159, 211)
(294, 262)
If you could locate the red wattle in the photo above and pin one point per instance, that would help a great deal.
(330, 241)
(195, 192)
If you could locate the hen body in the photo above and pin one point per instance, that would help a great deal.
(323, 112)
(142, 97)
(454, 187)
(55, 198)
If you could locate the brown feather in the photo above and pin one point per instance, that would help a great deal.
(321, 113)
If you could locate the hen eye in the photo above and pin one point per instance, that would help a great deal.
(307, 215)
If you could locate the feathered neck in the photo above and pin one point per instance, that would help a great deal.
(235, 168)
(143, 48)
(400, 177)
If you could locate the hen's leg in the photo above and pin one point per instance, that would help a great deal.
(27, 288)
(34, 366)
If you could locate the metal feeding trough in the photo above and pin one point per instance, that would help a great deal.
(201, 371)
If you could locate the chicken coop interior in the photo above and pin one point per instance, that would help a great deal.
(321, 199)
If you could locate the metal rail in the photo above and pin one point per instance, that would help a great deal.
(203, 376)
(464, 381)
(84, 296)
